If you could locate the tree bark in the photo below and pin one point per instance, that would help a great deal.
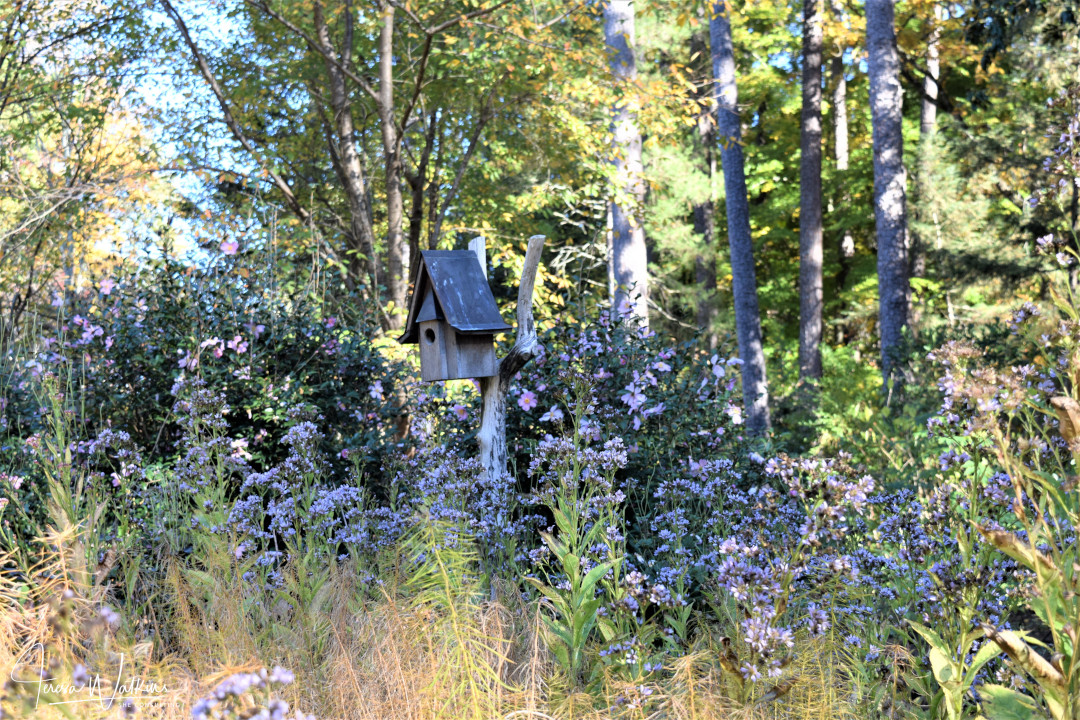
(492, 435)
(927, 130)
(628, 257)
(704, 210)
(846, 249)
(397, 251)
(743, 279)
(811, 254)
(890, 180)
(361, 233)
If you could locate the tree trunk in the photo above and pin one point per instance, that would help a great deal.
(811, 254)
(397, 251)
(704, 211)
(743, 280)
(628, 258)
(361, 233)
(927, 130)
(492, 435)
(846, 250)
(890, 180)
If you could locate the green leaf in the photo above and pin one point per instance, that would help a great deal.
(944, 669)
(930, 636)
(593, 577)
(1002, 703)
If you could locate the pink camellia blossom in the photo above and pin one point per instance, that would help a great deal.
(189, 361)
(460, 412)
(331, 322)
(107, 286)
(237, 344)
(527, 401)
(229, 247)
(255, 329)
(109, 341)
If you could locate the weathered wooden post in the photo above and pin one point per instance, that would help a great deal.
(493, 389)
(454, 318)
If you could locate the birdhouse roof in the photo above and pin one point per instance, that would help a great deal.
(450, 286)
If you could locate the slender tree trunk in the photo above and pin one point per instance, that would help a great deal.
(743, 280)
(890, 180)
(361, 233)
(927, 130)
(628, 258)
(417, 180)
(811, 254)
(397, 251)
(846, 250)
(704, 211)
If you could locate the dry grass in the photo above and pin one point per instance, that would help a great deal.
(359, 654)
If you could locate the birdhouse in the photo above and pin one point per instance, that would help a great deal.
(453, 317)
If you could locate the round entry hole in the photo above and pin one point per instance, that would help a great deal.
(429, 335)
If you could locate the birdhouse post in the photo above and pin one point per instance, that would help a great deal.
(454, 318)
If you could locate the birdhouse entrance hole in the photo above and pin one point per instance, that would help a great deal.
(429, 335)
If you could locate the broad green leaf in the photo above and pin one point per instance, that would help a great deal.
(593, 577)
(944, 669)
(1002, 703)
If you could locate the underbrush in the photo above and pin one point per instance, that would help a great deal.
(425, 648)
(645, 558)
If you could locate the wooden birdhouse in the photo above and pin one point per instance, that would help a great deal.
(453, 317)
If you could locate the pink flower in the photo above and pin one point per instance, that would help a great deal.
(189, 361)
(527, 401)
(237, 344)
(109, 342)
(460, 412)
(255, 329)
(107, 286)
(229, 247)
(331, 322)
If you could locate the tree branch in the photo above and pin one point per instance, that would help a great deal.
(230, 121)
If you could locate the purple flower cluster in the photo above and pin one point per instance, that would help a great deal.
(234, 698)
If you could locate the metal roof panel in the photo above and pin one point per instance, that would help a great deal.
(462, 292)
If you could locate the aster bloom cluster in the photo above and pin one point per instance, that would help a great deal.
(1062, 168)
(653, 394)
(248, 696)
(828, 489)
(457, 492)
